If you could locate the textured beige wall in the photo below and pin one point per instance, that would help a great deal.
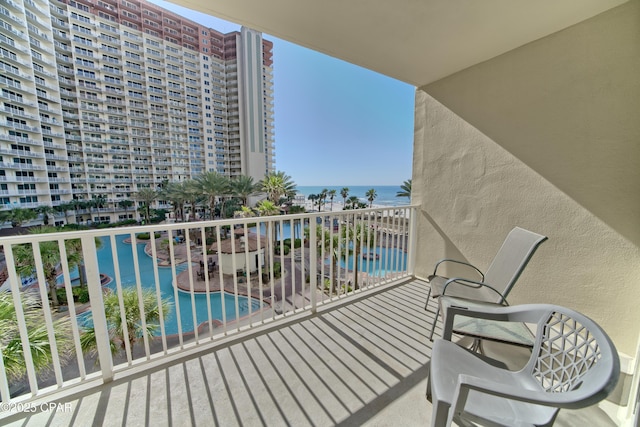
(568, 106)
(546, 137)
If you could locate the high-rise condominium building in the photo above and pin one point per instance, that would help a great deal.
(103, 98)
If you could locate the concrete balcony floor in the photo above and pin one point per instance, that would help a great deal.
(360, 361)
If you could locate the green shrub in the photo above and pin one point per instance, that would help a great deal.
(296, 243)
(157, 215)
(277, 269)
(81, 294)
(74, 227)
(146, 236)
(286, 251)
(62, 296)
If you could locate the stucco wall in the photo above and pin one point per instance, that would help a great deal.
(546, 137)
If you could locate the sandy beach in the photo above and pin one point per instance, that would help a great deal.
(337, 206)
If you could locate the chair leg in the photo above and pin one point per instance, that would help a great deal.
(433, 325)
(427, 302)
(439, 414)
(476, 347)
(428, 391)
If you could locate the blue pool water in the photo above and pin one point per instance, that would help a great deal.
(283, 232)
(128, 278)
(385, 260)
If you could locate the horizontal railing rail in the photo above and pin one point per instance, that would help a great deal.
(130, 295)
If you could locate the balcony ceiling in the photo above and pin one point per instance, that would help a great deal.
(415, 41)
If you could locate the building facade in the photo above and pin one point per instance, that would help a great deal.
(102, 99)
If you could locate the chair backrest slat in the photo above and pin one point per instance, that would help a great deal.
(511, 259)
(573, 354)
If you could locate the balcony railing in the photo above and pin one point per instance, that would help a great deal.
(267, 268)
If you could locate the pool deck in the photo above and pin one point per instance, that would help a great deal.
(287, 288)
(290, 289)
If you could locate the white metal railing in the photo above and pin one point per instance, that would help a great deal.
(267, 267)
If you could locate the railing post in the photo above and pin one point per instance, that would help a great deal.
(313, 263)
(97, 306)
(413, 221)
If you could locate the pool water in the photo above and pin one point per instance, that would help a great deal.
(147, 278)
(384, 261)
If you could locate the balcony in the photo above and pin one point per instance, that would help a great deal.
(317, 370)
(279, 297)
(521, 127)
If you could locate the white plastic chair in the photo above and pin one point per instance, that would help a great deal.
(573, 364)
(494, 285)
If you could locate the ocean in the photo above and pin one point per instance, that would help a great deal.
(386, 193)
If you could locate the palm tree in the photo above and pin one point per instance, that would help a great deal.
(175, 193)
(244, 212)
(49, 259)
(133, 319)
(331, 194)
(64, 208)
(405, 189)
(277, 185)
(45, 211)
(96, 202)
(296, 209)
(77, 204)
(226, 193)
(39, 345)
(352, 202)
(75, 245)
(146, 196)
(323, 196)
(212, 184)
(314, 199)
(331, 245)
(18, 216)
(371, 196)
(125, 204)
(244, 187)
(193, 195)
(354, 237)
(344, 193)
(268, 208)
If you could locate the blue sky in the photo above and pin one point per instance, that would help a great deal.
(335, 123)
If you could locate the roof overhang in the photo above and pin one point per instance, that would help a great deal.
(415, 41)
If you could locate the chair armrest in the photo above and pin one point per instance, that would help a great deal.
(525, 313)
(435, 270)
(452, 307)
(472, 284)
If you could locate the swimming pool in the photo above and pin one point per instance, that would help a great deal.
(128, 279)
(378, 261)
